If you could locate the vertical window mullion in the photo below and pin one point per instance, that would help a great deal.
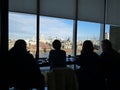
(38, 29)
(102, 26)
(75, 29)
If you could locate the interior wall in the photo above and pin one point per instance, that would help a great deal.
(4, 26)
(115, 37)
(3, 44)
(0, 25)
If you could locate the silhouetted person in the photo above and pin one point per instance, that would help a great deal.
(88, 72)
(110, 65)
(57, 57)
(24, 70)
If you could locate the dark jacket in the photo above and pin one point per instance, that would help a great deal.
(88, 62)
(24, 70)
(57, 58)
(110, 62)
(88, 72)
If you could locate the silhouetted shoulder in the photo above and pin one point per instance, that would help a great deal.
(52, 51)
(30, 55)
(63, 51)
(57, 51)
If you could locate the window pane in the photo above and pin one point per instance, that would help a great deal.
(88, 31)
(55, 28)
(22, 26)
(107, 31)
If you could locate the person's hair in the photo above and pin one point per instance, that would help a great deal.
(87, 46)
(107, 44)
(56, 44)
(20, 44)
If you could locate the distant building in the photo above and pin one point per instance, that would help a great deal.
(42, 38)
(107, 35)
(11, 43)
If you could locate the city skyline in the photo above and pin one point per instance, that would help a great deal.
(24, 26)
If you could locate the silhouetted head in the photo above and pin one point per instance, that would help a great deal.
(106, 45)
(56, 44)
(20, 44)
(87, 47)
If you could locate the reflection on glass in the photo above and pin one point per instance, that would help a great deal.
(55, 28)
(22, 26)
(88, 31)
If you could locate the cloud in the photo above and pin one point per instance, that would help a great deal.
(24, 25)
(56, 26)
(21, 25)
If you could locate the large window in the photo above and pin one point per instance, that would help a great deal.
(55, 28)
(88, 31)
(23, 26)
